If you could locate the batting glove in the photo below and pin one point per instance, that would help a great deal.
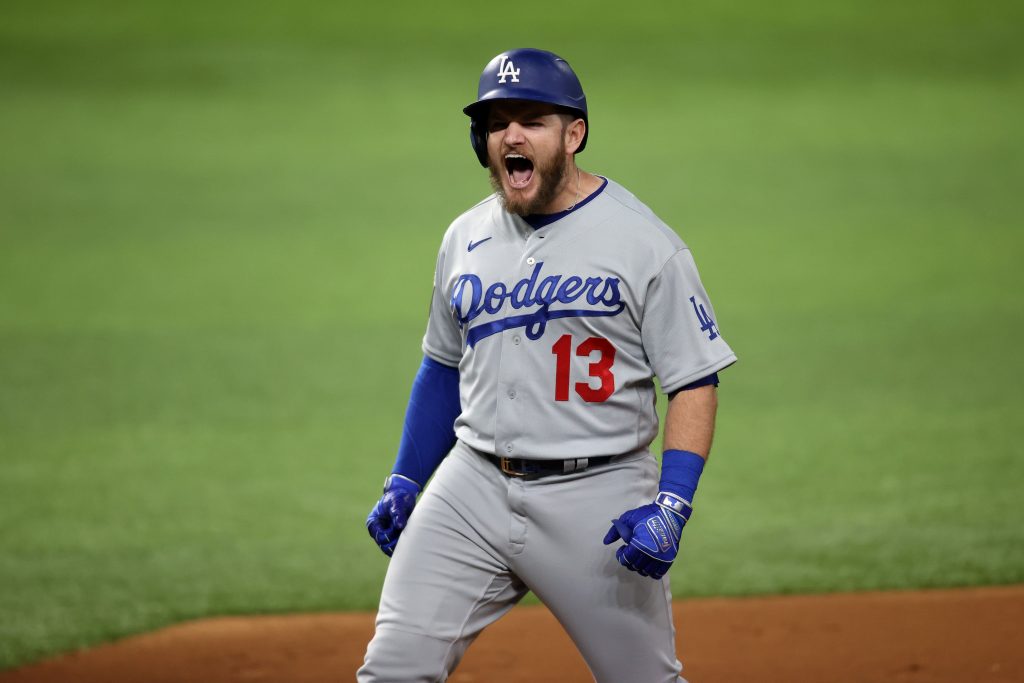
(651, 533)
(391, 513)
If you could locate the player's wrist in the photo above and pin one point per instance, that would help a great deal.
(399, 481)
(680, 475)
(675, 504)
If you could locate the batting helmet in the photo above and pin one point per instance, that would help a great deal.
(525, 74)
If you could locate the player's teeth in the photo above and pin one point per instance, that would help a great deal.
(519, 169)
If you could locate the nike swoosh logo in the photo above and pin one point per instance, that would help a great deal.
(473, 245)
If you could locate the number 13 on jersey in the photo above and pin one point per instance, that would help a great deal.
(601, 368)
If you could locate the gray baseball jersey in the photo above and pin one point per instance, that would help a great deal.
(558, 332)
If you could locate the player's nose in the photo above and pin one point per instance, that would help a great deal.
(514, 134)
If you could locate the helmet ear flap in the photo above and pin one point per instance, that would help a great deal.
(478, 138)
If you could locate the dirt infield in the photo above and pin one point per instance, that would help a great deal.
(967, 636)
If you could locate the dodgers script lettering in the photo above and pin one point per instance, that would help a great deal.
(550, 297)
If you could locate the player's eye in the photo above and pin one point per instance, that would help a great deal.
(497, 125)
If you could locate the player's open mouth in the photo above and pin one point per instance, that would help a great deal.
(519, 170)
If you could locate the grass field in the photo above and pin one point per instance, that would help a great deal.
(217, 232)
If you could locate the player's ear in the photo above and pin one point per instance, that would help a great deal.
(574, 134)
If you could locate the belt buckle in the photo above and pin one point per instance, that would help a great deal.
(506, 467)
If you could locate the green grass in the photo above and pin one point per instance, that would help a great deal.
(217, 231)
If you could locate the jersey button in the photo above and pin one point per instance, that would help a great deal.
(508, 448)
(512, 393)
(517, 340)
(530, 261)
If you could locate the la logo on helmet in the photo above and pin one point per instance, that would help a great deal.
(507, 69)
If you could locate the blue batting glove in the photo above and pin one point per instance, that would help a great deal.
(391, 513)
(651, 533)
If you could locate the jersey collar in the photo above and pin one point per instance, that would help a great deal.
(539, 220)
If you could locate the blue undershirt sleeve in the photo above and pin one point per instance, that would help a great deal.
(429, 430)
(702, 382)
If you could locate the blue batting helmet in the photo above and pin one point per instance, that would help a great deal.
(525, 74)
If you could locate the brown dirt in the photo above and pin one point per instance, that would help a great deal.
(967, 636)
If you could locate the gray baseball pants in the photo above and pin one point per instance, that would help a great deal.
(478, 540)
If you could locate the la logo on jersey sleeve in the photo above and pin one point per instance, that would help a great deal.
(706, 323)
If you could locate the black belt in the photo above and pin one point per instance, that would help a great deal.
(521, 467)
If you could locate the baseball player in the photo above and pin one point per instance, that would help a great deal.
(557, 300)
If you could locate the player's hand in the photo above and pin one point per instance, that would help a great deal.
(651, 533)
(391, 513)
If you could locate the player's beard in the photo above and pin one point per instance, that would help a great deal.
(550, 173)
